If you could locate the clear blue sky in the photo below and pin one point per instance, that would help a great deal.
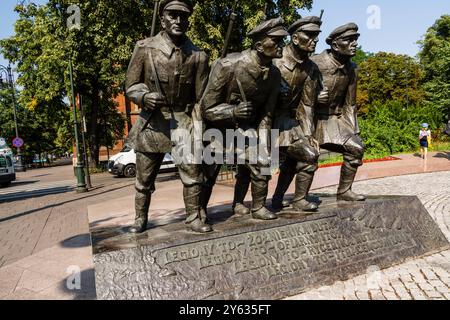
(7, 19)
(403, 22)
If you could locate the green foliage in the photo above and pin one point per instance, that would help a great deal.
(392, 127)
(441, 145)
(396, 94)
(435, 58)
(361, 56)
(209, 23)
(38, 131)
(6, 116)
(387, 77)
(331, 160)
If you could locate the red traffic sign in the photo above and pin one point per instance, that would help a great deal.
(18, 142)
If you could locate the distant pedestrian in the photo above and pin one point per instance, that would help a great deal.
(425, 140)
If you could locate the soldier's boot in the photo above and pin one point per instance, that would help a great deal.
(303, 183)
(204, 200)
(240, 191)
(142, 205)
(194, 219)
(207, 189)
(345, 192)
(259, 197)
(284, 181)
(314, 199)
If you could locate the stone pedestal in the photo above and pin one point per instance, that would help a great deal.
(248, 259)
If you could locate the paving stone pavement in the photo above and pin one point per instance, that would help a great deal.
(427, 278)
(31, 225)
(54, 231)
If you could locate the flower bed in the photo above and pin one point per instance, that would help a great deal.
(365, 161)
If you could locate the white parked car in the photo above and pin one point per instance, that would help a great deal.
(124, 163)
(7, 173)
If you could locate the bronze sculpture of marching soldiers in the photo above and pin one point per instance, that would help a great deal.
(311, 101)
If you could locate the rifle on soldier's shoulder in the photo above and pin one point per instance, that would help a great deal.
(265, 11)
(155, 17)
(233, 17)
(152, 63)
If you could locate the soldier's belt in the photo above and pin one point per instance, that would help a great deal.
(168, 110)
(325, 116)
(179, 107)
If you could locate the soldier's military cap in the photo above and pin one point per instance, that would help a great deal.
(178, 5)
(311, 24)
(273, 27)
(350, 29)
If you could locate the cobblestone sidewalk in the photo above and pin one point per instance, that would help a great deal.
(426, 278)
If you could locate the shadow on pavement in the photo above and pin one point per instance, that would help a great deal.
(79, 241)
(445, 155)
(21, 214)
(41, 175)
(21, 183)
(20, 195)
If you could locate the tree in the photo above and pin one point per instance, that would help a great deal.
(435, 58)
(6, 116)
(387, 76)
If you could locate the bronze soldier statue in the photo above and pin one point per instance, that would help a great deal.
(294, 115)
(242, 93)
(337, 127)
(166, 77)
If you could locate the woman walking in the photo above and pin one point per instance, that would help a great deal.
(425, 140)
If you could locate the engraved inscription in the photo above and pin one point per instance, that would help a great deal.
(288, 249)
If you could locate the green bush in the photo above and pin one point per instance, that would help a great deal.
(391, 127)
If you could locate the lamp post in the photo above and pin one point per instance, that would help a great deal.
(9, 78)
(79, 170)
(85, 153)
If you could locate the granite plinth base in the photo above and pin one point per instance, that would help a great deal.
(248, 259)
